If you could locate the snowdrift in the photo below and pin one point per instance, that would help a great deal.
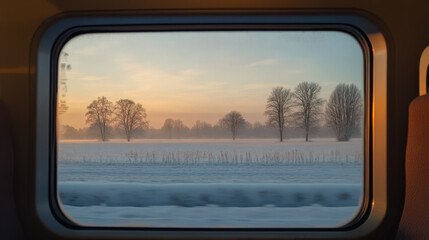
(222, 195)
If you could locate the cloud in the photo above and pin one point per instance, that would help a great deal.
(150, 82)
(81, 76)
(257, 86)
(294, 71)
(192, 72)
(90, 78)
(92, 49)
(264, 62)
(86, 51)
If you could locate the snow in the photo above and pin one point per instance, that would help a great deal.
(212, 151)
(222, 195)
(211, 216)
(211, 173)
(211, 182)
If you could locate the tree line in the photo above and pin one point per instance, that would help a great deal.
(126, 114)
(304, 108)
(197, 130)
(285, 111)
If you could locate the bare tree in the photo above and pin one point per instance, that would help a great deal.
(343, 110)
(130, 116)
(201, 129)
(279, 104)
(175, 128)
(308, 106)
(232, 121)
(179, 129)
(168, 127)
(99, 114)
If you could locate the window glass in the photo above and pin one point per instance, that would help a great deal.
(217, 129)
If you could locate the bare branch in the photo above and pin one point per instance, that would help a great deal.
(308, 106)
(99, 114)
(130, 116)
(279, 104)
(343, 111)
(232, 121)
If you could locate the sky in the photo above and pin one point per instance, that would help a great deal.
(203, 75)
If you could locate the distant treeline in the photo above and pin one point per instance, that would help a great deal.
(200, 130)
(290, 114)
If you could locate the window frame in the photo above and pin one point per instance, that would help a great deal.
(64, 28)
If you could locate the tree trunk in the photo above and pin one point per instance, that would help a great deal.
(307, 130)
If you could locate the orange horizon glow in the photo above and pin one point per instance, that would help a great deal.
(194, 76)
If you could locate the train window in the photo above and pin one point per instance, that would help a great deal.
(211, 129)
(264, 126)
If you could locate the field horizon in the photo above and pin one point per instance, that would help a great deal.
(152, 140)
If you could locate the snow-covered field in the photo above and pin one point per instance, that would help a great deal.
(211, 216)
(211, 183)
(212, 151)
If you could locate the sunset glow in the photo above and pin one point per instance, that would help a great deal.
(203, 75)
